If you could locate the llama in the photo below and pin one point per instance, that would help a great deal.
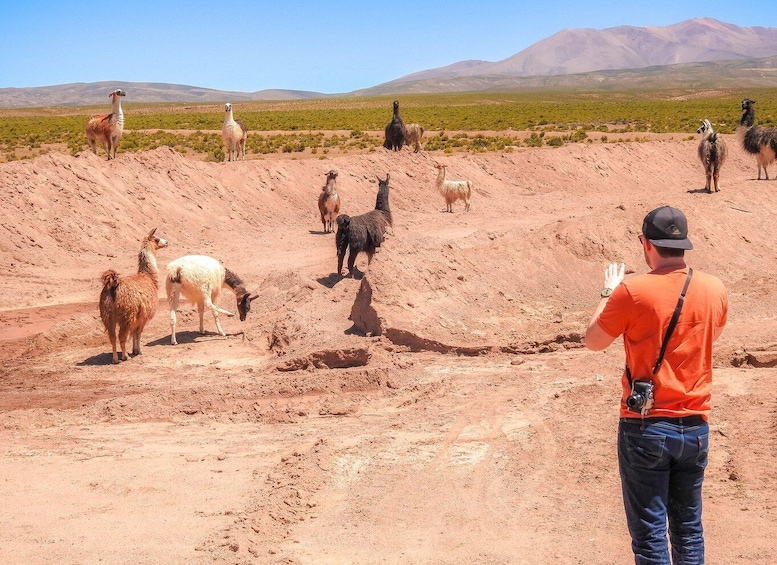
(395, 131)
(200, 278)
(107, 128)
(414, 133)
(131, 301)
(364, 232)
(712, 153)
(235, 135)
(453, 190)
(329, 202)
(757, 140)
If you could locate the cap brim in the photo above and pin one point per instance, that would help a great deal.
(673, 243)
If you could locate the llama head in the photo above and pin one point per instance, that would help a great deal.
(331, 175)
(227, 107)
(117, 92)
(396, 105)
(244, 304)
(705, 126)
(155, 242)
(439, 167)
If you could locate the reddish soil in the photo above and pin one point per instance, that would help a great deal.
(440, 409)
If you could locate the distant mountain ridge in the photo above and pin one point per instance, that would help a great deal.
(574, 51)
(696, 53)
(88, 93)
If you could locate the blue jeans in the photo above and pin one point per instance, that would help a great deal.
(662, 470)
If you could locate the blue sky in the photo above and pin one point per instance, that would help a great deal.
(330, 47)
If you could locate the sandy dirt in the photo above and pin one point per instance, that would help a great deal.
(439, 409)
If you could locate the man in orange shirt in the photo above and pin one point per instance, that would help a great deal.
(663, 431)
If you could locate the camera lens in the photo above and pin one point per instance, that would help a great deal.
(635, 401)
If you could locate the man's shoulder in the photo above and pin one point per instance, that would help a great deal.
(708, 279)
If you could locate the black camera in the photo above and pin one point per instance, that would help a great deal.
(641, 398)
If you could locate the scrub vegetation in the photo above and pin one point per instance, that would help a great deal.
(474, 122)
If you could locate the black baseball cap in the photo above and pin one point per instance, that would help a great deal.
(667, 227)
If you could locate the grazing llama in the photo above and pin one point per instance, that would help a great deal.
(712, 153)
(453, 190)
(235, 135)
(414, 133)
(757, 140)
(199, 278)
(395, 131)
(107, 128)
(364, 232)
(329, 202)
(130, 302)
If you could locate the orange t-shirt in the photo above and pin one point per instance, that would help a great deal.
(640, 308)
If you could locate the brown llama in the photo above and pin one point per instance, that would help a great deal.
(364, 232)
(712, 152)
(329, 202)
(107, 128)
(414, 133)
(131, 301)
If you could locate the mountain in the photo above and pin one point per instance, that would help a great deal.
(82, 94)
(574, 51)
(734, 74)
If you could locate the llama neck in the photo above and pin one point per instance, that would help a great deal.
(748, 119)
(234, 282)
(441, 176)
(147, 264)
(117, 110)
(228, 119)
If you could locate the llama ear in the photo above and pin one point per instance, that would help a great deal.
(253, 296)
(151, 232)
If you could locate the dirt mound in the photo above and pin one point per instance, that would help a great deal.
(438, 408)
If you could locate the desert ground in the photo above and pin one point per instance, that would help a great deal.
(439, 408)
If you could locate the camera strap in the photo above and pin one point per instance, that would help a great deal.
(670, 328)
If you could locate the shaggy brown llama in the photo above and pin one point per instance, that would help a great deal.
(130, 302)
(364, 232)
(712, 152)
(329, 202)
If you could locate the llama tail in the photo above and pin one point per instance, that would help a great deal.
(174, 277)
(110, 279)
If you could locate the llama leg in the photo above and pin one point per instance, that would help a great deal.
(136, 340)
(340, 257)
(174, 296)
(215, 309)
(201, 312)
(709, 179)
(112, 337)
(351, 261)
(123, 331)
